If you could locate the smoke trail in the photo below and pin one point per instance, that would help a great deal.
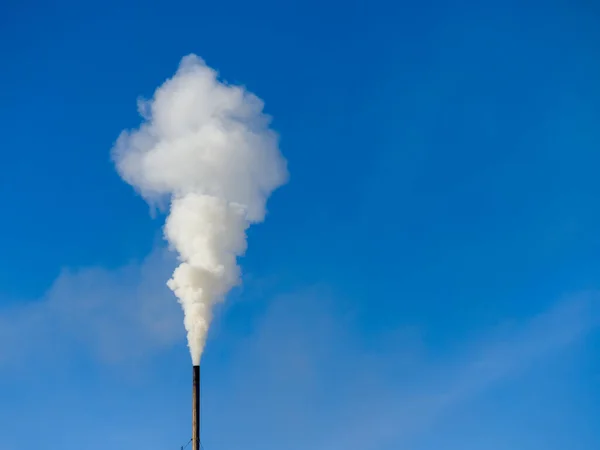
(206, 147)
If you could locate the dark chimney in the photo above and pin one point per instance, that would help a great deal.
(196, 409)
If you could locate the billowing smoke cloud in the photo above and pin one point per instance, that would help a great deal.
(206, 147)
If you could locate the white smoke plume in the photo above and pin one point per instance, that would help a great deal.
(206, 147)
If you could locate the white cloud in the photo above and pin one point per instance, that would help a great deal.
(206, 145)
(305, 377)
(119, 315)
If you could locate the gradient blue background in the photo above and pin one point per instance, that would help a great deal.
(426, 280)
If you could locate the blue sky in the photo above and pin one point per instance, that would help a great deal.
(427, 279)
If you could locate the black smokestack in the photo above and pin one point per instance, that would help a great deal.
(196, 409)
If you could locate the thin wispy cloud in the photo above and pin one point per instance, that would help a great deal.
(304, 378)
(400, 417)
(115, 315)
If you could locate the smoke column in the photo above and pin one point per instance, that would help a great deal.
(206, 149)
